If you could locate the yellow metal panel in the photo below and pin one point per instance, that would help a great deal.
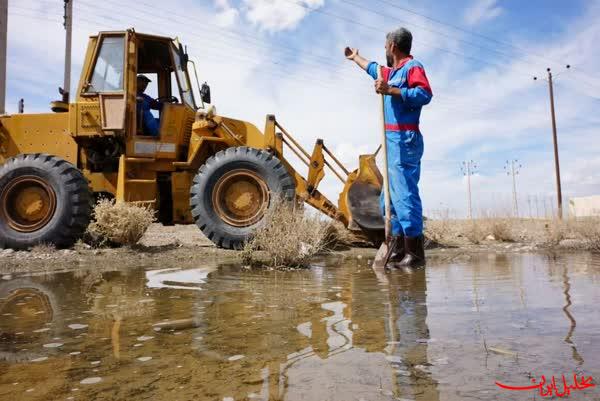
(248, 134)
(88, 120)
(180, 187)
(122, 176)
(37, 133)
(135, 182)
(172, 119)
(142, 146)
(102, 182)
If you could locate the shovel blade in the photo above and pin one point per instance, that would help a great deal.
(382, 256)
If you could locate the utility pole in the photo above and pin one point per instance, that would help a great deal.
(3, 45)
(512, 170)
(555, 142)
(68, 24)
(468, 169)
(529, 203)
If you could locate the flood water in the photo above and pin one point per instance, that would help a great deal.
(334, 332)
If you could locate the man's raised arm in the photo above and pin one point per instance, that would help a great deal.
(352, 54)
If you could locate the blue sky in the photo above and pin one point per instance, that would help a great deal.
(285, 57)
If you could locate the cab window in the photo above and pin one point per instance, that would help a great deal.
(108, 71)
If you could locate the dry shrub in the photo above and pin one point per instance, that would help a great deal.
(437, 227)
(338, 236)
(43, 248)
(288, 238)
(119, 223)
(554, 232)
(588, 231)
(475, 232)
(501, 229)
(437, 230)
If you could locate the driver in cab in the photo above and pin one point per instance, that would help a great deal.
(145, 103)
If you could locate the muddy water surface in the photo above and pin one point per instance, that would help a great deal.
(334, 332)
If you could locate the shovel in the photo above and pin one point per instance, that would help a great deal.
(385, 250)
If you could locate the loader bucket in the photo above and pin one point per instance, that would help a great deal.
(359, 201)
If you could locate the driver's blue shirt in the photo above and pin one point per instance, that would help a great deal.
(150, 124)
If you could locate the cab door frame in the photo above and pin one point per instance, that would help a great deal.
(114, 106)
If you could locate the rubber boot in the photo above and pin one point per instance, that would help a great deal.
(415, 252)
(398, 251)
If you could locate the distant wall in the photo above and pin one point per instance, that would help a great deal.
(584, 206)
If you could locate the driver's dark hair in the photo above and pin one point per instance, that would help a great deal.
(401, 38)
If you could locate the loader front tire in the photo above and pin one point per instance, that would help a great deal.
(233, 191)
(43, 200)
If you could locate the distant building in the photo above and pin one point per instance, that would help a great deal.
(584, 206)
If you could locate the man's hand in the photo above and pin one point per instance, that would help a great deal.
(350, 53)
(382, 87)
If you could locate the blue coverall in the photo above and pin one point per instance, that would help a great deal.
(404, 143)
(150, 124)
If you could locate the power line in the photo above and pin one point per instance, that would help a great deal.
(575, 90)
(217, 57)
(357, 23)
(452, 101)
(427, 29)
(35, 17)
(235, 35)
(318, 63)
(489, 38)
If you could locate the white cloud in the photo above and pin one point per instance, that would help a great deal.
(279, 15)
(227, 14)
(481, 11)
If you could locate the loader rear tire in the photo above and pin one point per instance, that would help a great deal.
(43, 200)
(233, 191)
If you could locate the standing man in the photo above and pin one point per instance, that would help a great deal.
(406, 90)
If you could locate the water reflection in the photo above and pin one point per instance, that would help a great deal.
(335, 332)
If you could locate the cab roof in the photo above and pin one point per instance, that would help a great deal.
(132, 30)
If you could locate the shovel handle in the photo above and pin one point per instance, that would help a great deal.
(386, 181)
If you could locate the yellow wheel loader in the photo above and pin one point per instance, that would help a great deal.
(219, 172)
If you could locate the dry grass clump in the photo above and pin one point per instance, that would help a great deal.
(119, 223)
(475, 232)
(438, 230)
(289, 238)
(588, 231)
(43, 248)
(338, 236)
(554, 232)
(501, 229)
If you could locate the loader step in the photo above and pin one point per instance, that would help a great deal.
(140, 181)
(139, 160)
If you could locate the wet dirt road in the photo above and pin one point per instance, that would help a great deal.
(334, 332)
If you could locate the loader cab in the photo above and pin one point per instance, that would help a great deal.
(109, 82)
